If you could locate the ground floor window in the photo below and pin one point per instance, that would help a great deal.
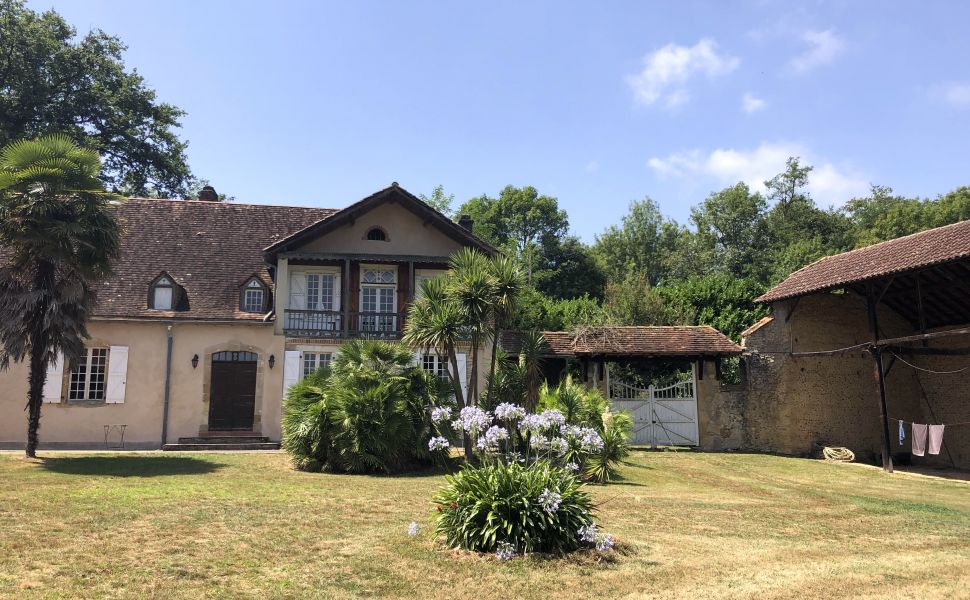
(314, 360)
(436, 365)
(88, 375)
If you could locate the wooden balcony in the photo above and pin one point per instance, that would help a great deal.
(338, 324)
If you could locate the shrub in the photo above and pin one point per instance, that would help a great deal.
(532, 508)
(583, 407)
(365, 415)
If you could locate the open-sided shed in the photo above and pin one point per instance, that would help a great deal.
(906, 304)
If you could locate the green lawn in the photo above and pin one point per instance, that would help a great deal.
(691, 526)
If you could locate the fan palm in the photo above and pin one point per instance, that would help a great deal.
(473, 287)
(508, 285)
(57, 237)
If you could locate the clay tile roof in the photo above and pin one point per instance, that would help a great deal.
(680, 340)
(210, 248)
(916, 251)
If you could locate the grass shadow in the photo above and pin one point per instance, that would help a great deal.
(129, 466)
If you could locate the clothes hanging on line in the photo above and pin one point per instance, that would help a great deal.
(935, 439)
(902, 433)
(919, 439)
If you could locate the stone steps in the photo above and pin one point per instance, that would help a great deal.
(232, 446)
(223, 442)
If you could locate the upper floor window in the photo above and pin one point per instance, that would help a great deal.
(163, 294)
(377, 234)
(378, 276)
(254, 296)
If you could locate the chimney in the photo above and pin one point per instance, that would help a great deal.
(467, 222)
(208, 194)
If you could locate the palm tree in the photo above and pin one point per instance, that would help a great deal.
(57, 237)
(530, 360)
(472, 285)
(508, 285)
(436, 321)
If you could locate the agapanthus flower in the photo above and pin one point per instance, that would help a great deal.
(532, 424)
(558, 446)
(509, 412)
(492, 437)
(606, 543)
(438, 443)
(505, 551)
(550, 500)
(474, 420)
(572, 466)
(540, 442)
(413, 529)
(553, 418)
(588, 533)
(440, 413)
(590, 440)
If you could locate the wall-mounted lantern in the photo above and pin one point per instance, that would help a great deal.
(195, 361)
(272, 360)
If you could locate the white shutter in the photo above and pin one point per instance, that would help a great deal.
(55, 379)
(336, 292)
(297, 291)
(418, 358)
(117, 374)
(291, 369)
(462, 376)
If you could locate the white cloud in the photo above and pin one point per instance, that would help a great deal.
(666, 72)
(954, 93)
(824, 47)
(752, 104)
(827, 183)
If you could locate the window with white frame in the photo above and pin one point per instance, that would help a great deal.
(378, 299)
(319, 291)
(315, 360)
(254, 297)
(162, 294)
(436, 365)
(88, 375)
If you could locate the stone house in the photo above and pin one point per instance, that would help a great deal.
(215, 308)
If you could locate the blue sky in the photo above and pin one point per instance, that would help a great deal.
(598, 103)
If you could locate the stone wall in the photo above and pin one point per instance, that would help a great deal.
(944, 398)
(795, 405)
(720, 410)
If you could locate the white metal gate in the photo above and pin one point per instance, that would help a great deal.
(664, 416)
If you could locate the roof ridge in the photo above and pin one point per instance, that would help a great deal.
(233, 203)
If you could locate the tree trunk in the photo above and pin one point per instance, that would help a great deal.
(35, 396)
(466, 441)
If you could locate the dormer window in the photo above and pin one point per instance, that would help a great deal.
(254, 296)
(163, 293)
(376, 234)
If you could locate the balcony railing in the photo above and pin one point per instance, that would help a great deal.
(336, 324)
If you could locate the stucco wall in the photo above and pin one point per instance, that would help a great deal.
(407, 234)
(82, 425)
(795, 405)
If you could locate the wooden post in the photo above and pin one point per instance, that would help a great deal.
(345, 299)
(887, 458)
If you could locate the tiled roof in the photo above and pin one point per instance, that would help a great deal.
(916, 251)
(680, 340)
(210, 248)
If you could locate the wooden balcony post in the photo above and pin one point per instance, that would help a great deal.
(345, 300)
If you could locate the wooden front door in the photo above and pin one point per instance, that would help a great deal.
(232, 396)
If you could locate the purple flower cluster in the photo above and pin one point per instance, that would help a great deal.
(439, 414)
(588, 533)
(505, 551)
(492, 437)
(438, 443)
(550, 500)
(472, 420)
(606, 543)
(509, 412)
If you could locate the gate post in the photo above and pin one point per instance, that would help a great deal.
(653, 418)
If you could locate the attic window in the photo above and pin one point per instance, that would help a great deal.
(376, 234)
(162, 294)
(253, 296)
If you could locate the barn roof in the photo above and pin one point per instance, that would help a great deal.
(629, 341)
(931, 268)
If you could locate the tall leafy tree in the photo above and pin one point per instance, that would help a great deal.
(53, 82)
(57, 237)
(523, 222)
(732, 231)
(639, 244)
(439, 200)
(472, 284)
(570, 270)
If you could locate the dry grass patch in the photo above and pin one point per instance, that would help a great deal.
(154, 525)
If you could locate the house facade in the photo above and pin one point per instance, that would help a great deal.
(214, 309)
